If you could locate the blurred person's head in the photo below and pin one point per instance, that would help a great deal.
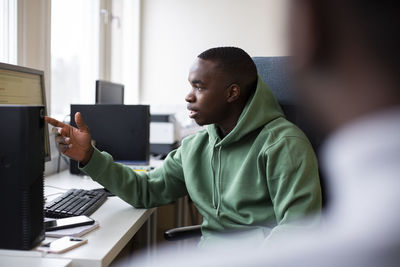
(346, 57)
(222, 79)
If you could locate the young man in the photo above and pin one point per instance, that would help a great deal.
(251, 170)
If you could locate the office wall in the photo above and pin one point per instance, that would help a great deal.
(174, 32)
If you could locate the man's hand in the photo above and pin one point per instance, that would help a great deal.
(73, 142)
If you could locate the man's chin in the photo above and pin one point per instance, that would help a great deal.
(201, 122)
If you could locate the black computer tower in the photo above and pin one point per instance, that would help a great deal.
(21, 176)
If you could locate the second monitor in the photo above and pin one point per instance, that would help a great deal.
(109, 93)
(120, 130)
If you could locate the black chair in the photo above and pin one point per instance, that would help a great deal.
(274, 72)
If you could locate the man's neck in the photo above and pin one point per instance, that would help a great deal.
(225, 128)
(234, 113)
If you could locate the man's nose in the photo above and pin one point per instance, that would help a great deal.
(190, 97)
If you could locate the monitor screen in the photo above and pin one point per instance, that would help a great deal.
(121, 130)
(109, 93)
(24, 86)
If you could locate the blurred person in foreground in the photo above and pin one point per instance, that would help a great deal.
(347, 64)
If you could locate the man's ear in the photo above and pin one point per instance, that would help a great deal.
(233, 93)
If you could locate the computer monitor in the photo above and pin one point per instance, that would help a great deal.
(24, 86)
(121, 130)
(109, 93)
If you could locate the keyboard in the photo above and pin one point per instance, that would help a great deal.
(75, 202)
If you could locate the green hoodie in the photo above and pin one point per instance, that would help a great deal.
(259, 177)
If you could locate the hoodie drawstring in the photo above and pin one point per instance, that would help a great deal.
(213, 178)
(216, 180)
(219, 181)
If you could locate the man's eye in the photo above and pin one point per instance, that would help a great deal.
(199, 89)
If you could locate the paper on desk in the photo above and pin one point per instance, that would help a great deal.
(75, 231)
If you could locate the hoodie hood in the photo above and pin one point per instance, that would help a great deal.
(260, 109)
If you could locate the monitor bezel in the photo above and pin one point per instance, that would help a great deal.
(100, 84)
(11, 67)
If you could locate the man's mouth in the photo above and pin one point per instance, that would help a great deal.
(192, 113)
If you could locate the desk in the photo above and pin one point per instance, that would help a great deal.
(118, 221)
(7, 261)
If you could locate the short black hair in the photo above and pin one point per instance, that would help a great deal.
(236, 64)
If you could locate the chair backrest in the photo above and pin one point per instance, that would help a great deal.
(274, 72)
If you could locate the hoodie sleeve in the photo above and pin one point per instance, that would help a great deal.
(140, 189)
(294, 186)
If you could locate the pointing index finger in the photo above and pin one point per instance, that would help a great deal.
(54, 122)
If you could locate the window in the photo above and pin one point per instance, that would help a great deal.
(8, 31)
(90, 40)
(74, 53)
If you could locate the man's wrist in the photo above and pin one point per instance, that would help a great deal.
(88, 156)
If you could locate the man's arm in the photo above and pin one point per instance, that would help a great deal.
(142, 190)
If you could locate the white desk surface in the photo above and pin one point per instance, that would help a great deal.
(118, 221)
(7, 261)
